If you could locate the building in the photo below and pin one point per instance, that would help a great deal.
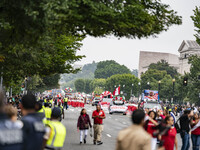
(187, 49)
(146, 58)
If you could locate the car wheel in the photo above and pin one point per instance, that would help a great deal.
(124, 113)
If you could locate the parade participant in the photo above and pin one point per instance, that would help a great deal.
(185, 129)
(98, 115)
(195, 131)
(83, 125)
(55, 137)
(65, 102)
(169, 138)
(134, 137)
(61, 109)
(40, 109)
(33, 129)
(11, 134)
(150, 125)
(47, 111)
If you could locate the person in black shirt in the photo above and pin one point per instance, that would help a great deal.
(185, 129)
(33, 129)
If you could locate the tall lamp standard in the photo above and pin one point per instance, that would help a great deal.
(26, 84)
(159, 86)
(139, 91)
(148, 85)
(173, 90)
(132, 90)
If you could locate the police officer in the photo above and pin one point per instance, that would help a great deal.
(65, 102)
(11, 134)
(61, 109)
(33, 129)
(47, 111)
(55, 138)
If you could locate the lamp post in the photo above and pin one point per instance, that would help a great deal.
(138, 91)
(1, 78)
(26, 84)
(159, 86)
(148, 85)
(173, 90)
(132, 90)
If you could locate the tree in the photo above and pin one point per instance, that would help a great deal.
(80, 85)
(163, 65)
(98, 83)
(196, 19)
(87, 72)
(135, 72)
(193, 85)
(108, 68)
(39, 37)
(123, 79)
(87, 88)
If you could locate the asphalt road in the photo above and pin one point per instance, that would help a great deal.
(112, 125)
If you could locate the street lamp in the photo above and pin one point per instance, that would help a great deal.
(159, 86)
(26, 84)
(132, 90)
(148, 85)
(173, 89)
(139, 91)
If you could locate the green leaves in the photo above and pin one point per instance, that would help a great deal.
(108, 68)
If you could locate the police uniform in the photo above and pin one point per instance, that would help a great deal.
(11, 134)
(61, 109)
(57, 134)
(33, 131)
(65, 102)
(47, 112)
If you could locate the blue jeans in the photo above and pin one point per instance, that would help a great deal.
(195, 141)
(185, 140)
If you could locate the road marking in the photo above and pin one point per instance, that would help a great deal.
(109, 117)
(71, 109)
(89, 110)
(124, 122)
(108, 135)
(116, 119)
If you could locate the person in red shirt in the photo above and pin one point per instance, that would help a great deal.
(169, 138)
(149, 126)
(98, 115)
(195, 134)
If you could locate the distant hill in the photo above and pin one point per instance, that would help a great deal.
(87, 72)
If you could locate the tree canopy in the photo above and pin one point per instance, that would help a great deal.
(42, 37)
(163, 65)
(108, 68)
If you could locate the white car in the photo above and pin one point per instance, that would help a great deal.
(118, 107)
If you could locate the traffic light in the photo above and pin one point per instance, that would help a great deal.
(185, 81)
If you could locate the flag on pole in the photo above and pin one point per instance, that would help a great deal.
(116, 91)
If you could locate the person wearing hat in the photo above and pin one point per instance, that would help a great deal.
(56, 134)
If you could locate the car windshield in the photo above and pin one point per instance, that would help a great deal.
(109, 100)
(118, 103)
(152, 106)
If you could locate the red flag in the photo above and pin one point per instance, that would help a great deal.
(117, 91)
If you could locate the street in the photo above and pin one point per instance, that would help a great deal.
(112, 125)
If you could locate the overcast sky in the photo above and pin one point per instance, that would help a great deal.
(126, 51)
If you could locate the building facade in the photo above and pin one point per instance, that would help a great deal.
(187, 49)
(146, 58)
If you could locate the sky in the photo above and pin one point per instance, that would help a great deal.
(126, 51)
